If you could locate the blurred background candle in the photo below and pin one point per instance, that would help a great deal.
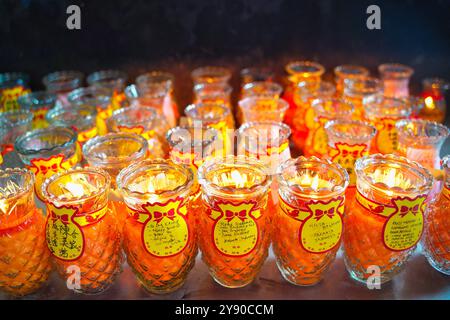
(210, 74)
(63, 82)
(436, 244)
(159, 237)
(39, 103)
(25, 261)
(12, 86)
(48, 151)
(358, 90)
(112, 153)
(219, 93)
(434, 96)
(12, 125)
(325, 109)
(256, 74)
(383, 113)
(308, 224)
(234, 225)
(348, 71)
(262, 108)
(114, 81)
(349, 140)
(82, 118)
(81, 228)
(145, 122)
(395, 78)
(387, 216)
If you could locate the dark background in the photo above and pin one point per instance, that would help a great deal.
(177, 36)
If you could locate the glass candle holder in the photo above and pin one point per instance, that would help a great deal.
(263, 109)
(309, 222)
(97, 97)
(436, 244)
(434, 97)
(387, 216)
(63, 82)
(114, 81)
(81, 228)
(216, 116)
(39, 103)
(159, 237)
(383, 113)
(358, 91)
(210, 74)
(142, 121)
(349, 140)
(25, 261)
(12, 86)
(81, 118)
(256, 74)
(112, 153)
(219, 93)
(421, 141)
(235, 218)
(48, 151)
(325, 109)
(395, 78)
(347, 71)
(271, 90)
(269, 143)
(12, 125)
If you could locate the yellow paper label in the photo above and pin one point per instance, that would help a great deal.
(346, 155)
(387, 137)
(235, 231)
(84, 136)
(44, 168)
(9, 96)
(102, 116)
(165, 232)
(138, 130)
(64, 235)
(39, 121)
(320, 138)
(186, 158)
(310, 118)
(321, 227)
(404, 220)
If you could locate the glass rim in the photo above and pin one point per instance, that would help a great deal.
(102, 76)
(317, 105)
(61, 78)
(37, 99)
(98, 140)
(311, 68)
(250, 71)
(272, 86)
(397, 107)
(29, 186)
(133, 91)
(217, 71)
(152, 76)
(73, 109)
(364, 85)
(351, 71)
(69, 132)
(248, 103)
(7, 123)
(101, 94)
(443, 130)
(344, 135)
(205, 143)
(75, 200)
(9, 77)
(395, 71)
(119, 116)
(284, 128)
(189, 111)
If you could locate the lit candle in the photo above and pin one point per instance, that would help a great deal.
(308, 224)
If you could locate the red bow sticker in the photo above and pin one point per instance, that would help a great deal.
(158, 216)
(63, 218)
(321, 213)
(241, 215)
(404, 210)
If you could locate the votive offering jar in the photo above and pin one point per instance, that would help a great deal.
(39, 103)
(358, 91)
(156, 88)
(267, 89)
(421, 141)
(63, 82)
(100, 98)
(81, 118)
(256, 74)
(348, 71)
(113, 80)
(308, 224)
(436, 242)
(81, 231)
(12, 86)
(12, 125)
(219, 93)
(210, 74)
(48, 151)
(24, 259)
(434, 97)
(263, 108)
(143, 121)
(383, 113)
(325, 109)
(159, 233)
(395, 78)
(234, 226)
(113, 152)
(386, 219)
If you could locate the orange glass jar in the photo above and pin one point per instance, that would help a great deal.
(349, 140)
(347, 71)
(159, 236)
(234, 225)
(24, 259)
(112, 153)
(386, 219)
(436, 243)
(325, 109)
(395, 78)
(82, 233)
(308, 224)
(383, 113)
(358, 90)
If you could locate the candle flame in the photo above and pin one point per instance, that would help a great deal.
(390, 178)
(315, 183)
(75, 189)
(238, 179)
(429, 102)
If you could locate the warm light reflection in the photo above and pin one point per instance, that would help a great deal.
(429, 103)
